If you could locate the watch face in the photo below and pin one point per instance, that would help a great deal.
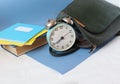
(62, 37)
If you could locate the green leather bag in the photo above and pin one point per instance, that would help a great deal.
(97, 20)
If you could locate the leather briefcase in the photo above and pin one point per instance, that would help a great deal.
(97, 20)
(95, 23)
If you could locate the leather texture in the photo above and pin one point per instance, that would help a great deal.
(101, 19)
(95, 14)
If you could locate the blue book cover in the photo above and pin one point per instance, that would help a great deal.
(20, 32)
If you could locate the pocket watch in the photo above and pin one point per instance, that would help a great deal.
(63, 37)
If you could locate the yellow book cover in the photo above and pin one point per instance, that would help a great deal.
(21, 34)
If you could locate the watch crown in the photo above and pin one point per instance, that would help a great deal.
(50, 23)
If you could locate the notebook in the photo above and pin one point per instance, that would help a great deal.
(20, 33)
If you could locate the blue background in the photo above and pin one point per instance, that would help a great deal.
(29, 11)
(37, 12)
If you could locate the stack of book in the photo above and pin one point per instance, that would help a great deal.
(21, 38)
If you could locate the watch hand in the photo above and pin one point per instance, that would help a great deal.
(66, 34)
(62, 37)
(59, 40)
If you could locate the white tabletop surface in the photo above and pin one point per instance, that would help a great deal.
(103, 67)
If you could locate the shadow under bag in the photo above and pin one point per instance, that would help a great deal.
(101, 19)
